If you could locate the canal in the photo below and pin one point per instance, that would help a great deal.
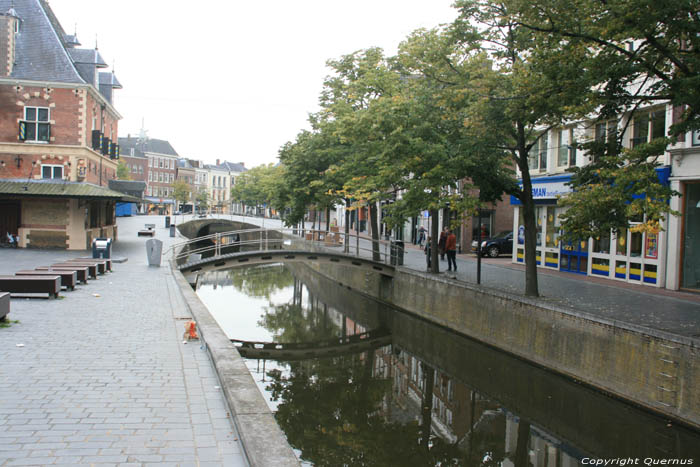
(354, 382)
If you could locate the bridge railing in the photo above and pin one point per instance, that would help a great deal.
(263, 239)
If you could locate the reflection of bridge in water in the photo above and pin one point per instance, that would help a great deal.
(344, 345)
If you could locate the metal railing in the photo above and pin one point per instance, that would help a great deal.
(263, 239)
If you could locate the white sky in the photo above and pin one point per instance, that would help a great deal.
(229, 79)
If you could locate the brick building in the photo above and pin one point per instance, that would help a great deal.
(58, 130)
(159, 160)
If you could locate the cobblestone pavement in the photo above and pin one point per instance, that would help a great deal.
(651, 307)
(102, 377)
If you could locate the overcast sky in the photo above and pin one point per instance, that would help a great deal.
(228, 79)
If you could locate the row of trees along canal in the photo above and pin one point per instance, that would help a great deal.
(466, 102)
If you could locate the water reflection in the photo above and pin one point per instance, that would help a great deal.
(430, 398)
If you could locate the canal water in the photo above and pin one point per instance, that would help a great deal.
(353, 382)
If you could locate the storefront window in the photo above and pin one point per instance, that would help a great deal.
(539, 226)
(602, 244)
(551, 230)
(691, 237)
(622, 242)
(636, 244)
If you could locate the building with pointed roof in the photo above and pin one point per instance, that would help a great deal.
(58, 125)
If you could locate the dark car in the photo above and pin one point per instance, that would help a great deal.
(494, 246)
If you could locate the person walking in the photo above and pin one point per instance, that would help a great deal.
(451, 248)
(421, 235)
(441, 243)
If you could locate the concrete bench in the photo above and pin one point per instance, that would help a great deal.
(92, 268)
(82, 272)
(4, 305)
(106, 261)
(149, 230)
(68, 278)
(31, 284)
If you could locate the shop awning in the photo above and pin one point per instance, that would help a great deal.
(51, 188)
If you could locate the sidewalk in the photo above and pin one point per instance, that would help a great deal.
(651, 307)
(107, 379)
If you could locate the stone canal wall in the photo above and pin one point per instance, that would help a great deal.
(651, 368)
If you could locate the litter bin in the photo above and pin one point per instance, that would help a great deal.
(172, 230)
(154, 249)
(101, 247)
(167, 221)
(396, 255)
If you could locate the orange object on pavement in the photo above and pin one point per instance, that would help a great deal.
(191, 330)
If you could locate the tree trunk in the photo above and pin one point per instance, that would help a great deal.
(434, 234)
(528, 207)
(376, 256)
(328, 219)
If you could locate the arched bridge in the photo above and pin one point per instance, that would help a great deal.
(251, 258)
(301, 351)
(266, 246)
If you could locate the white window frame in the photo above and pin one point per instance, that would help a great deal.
(36, 122)
(540, 149)
(53, 167)
(569, 144)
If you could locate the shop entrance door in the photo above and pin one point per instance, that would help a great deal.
(9, 218)
(691, 238)
(574, 257)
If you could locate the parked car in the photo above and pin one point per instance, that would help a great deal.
(494, 246)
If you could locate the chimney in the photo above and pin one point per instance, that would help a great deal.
(8, 28)
(218, 162)
(242, 163)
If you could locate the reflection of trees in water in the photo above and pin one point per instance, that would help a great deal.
(331, 410)
(261, 281)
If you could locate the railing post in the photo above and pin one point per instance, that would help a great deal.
(217, 245)
(266, 246)
(357, 244)
(260, 247)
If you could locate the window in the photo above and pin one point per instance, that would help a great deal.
(150, 176)
(140, 169)
(172, 178)
(35, 124)
(160, 163)
(648, 127)
(566, 152)
(606, 131)
(150, 162)
(52, 171)
(537, 157)
(696, 138)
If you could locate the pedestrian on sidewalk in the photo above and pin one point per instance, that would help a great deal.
(427, 253)
(421, 235)
(451, 248)
(441, 243)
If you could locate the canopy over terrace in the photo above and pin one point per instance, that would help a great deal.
(52, 213)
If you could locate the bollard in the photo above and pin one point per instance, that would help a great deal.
(154, 249)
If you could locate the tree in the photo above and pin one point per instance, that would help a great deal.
(182, 192)
(123, 171)
(507, 104)
(259, 186)
(202, 200)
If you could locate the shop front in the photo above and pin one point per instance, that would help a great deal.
(630, 255)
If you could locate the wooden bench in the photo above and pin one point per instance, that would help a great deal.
(106, 261)
(4, 305)
(68, 278)
(31, 284)
(100, 263)
(82, 272)
(92, 268)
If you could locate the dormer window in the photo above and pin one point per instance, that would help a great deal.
(36, 126)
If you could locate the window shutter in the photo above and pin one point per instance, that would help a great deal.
(22, 131)
(96, 140)
(105, 146)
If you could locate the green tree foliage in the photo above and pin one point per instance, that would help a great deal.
(634, 53)
(202, 200)
(182, 191)
(259, 186)
(123, 172)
